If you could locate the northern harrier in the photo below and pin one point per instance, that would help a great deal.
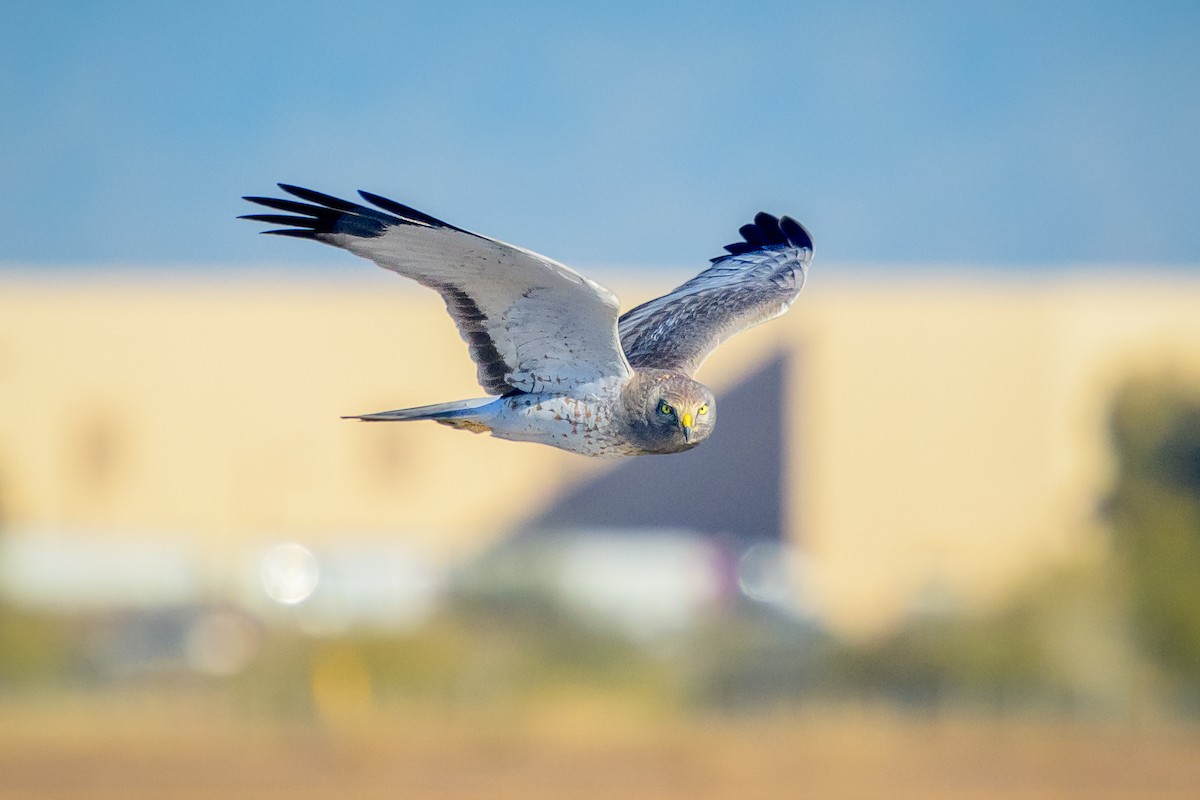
(547, 341)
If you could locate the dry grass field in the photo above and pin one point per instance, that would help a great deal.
(133, 751)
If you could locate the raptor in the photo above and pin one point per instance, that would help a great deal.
(560, 364)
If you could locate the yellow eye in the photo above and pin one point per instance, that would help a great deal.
(663, 408)
(702, 409)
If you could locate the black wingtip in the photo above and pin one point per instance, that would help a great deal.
(327, 200)
(753, 235)
(768, 226)
(322, 213)
(768, 230)
(299, 233)
(796, 233)
(406, 213)
(279, 219)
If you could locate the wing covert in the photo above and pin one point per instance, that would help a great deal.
(756, 281)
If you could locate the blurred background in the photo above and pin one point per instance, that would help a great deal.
(944, 543)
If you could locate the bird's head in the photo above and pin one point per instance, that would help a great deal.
(671, 412)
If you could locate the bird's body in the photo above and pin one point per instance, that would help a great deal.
(563, 369)
(603, 419)
(582, 422)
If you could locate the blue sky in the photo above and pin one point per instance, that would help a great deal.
(999, 134)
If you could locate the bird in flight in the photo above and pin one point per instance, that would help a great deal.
(561, 367)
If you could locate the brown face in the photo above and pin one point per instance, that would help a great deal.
(691, 417)
(681, 413)
(667, 412)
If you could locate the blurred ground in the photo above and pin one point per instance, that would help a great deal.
(124, 748)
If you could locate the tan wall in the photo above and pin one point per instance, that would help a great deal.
(955, 435)
(945, 439)
(215, 410)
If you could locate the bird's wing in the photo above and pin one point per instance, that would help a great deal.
(755, 282)
(531, 323)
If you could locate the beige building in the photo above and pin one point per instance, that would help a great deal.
(941, 437)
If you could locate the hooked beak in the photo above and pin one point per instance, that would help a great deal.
(686, 425)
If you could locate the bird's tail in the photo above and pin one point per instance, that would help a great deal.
(459, 414)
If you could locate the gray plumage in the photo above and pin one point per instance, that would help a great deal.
(547, 342)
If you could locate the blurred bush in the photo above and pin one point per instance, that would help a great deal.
(1155, 522)
(39, 651)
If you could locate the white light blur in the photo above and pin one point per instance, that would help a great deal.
(784, 576)
(765, 573)
(289, 573)
(81, 568)
(651, 584)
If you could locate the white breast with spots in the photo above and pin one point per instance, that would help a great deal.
(582, 424)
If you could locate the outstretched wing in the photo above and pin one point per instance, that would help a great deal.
(755, 282)
(531, 323)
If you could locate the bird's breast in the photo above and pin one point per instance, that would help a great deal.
(584, 425)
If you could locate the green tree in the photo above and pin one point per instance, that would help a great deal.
(1155, 516)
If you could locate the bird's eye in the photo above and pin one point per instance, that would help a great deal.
(702, 410)
(663, 408)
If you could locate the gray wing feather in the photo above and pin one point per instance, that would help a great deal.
(531, 323)
(755, 282)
